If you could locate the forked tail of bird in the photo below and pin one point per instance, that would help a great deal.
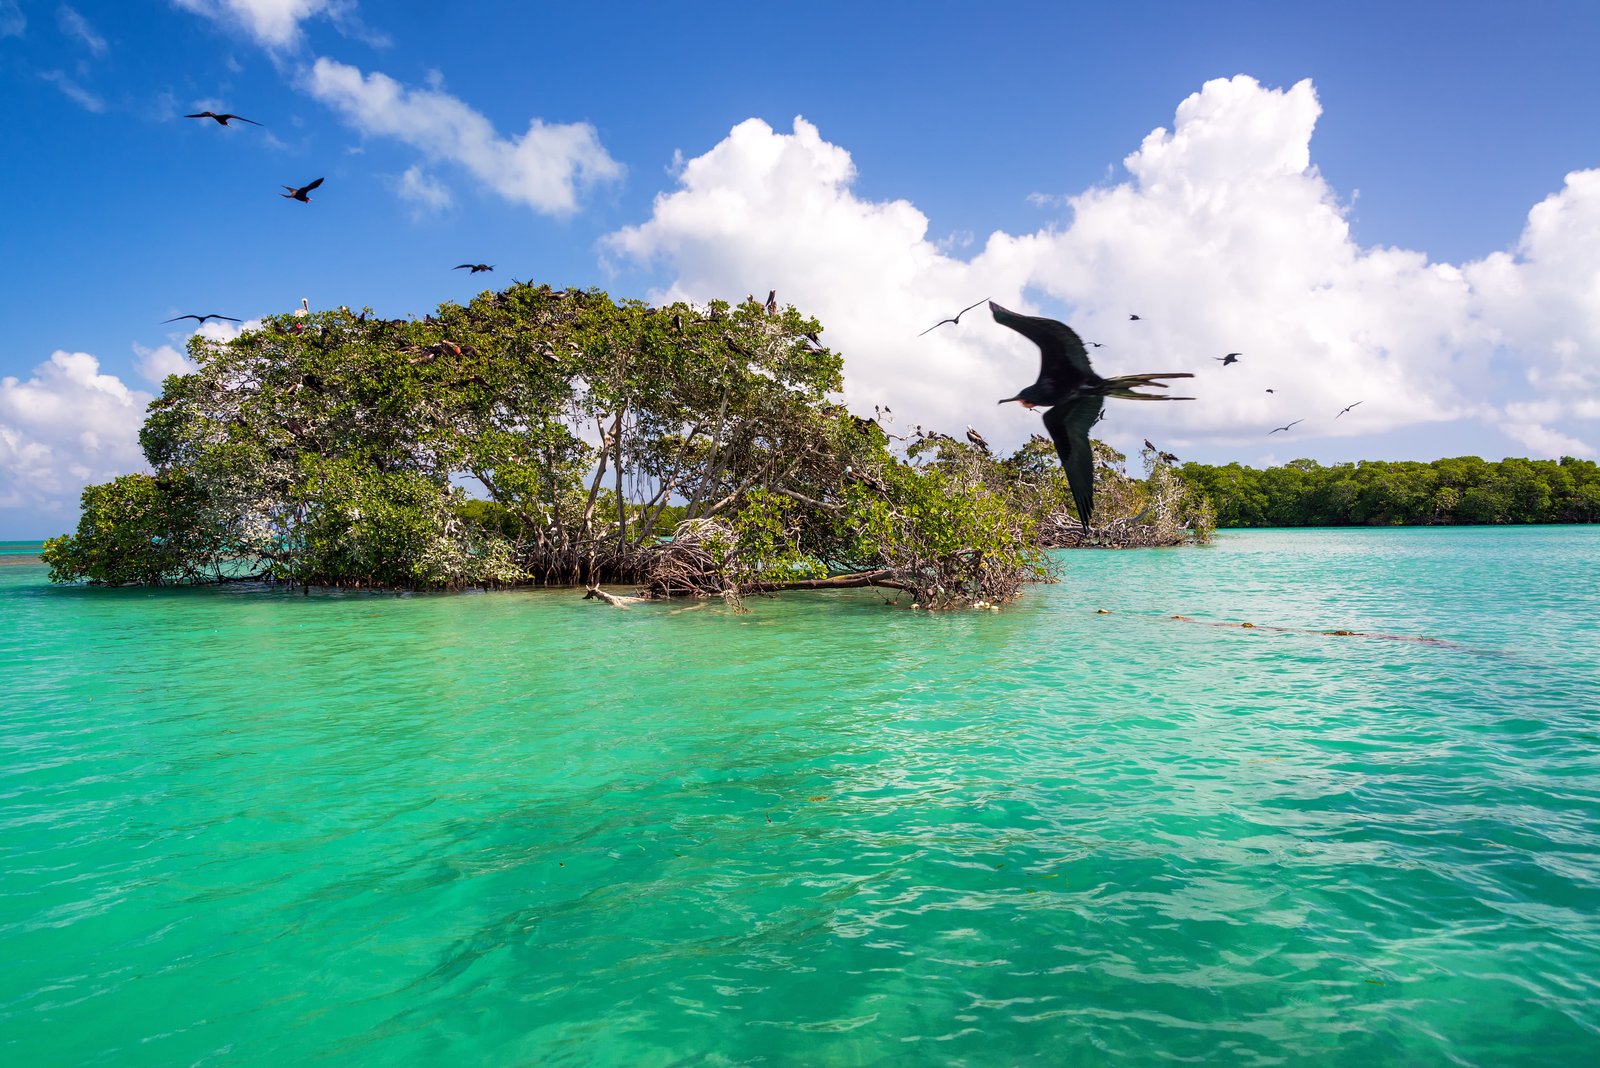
(1124, 386)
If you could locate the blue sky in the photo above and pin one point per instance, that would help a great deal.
(1344, 194)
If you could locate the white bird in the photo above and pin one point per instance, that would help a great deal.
(304, 309)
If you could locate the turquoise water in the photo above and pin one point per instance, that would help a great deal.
(255, 827)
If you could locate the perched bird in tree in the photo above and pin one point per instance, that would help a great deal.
(300, 193)
(475, 268)
(1149, 445)
(1167, 458)
(200, 320)
(954, 320)
(1347, 409)
(976, 438)
(1232, 357)
(304, 309)
(772, 302)
(1075, 395)
(222, 120)
(1276, 429)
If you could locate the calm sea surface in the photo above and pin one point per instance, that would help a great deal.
(254, 827)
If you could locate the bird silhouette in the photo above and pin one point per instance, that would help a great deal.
(1149, 445)
(1167, 458)
(1133, 318)
(1347, 409)
(300, 193)
(976, 438)
(222, 120)
(956, 319)
(1232, 357)
(200, 320)
(475, 267)
(772, 302)
(1075, 395)
(1276, 429)
(1274, 391)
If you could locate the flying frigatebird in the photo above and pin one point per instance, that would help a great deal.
(475, 268)
(300, 193)
(1347, 409)
(200, 320)
(1276, 429)
(222, 120)
(1068, 386)
(954, 320)
(1232, 357)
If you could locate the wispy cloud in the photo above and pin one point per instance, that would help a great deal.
(75, 25)
(73, 91)
(429, 195)
(546, 168)
(13, 23)
(276, 24)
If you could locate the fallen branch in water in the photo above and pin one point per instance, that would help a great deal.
(596, 593)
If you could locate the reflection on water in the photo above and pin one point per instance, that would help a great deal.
(515, 827)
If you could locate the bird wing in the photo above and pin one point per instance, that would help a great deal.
(1062, 357)
(312, 186)
(241, 118)
(459, 266)
(1069, 425)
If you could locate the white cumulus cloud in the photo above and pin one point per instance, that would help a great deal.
(546, 168)
(1223, 237)
(163, 360)
(66, 426)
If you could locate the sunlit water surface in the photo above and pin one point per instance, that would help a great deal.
(248, 826)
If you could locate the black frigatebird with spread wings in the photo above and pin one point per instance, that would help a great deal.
(300, 193)
(954, 320)
(1347, 408)
(222, 120)
(1276, 429)
(475, 268)
(1232, 357)
(1068, 386)
(200, 320)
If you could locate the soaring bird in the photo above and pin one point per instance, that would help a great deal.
(955, 320)
(1068, 386)
(1276, 429)
(200, 320)
(300, 194)
(1347, 409)
(1274, 391)
(1232, 357)
(1135, 318)
(976, 438)
(475, 267)
(222, 120)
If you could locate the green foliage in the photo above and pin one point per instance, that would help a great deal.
(1461, 489)
(133, 530)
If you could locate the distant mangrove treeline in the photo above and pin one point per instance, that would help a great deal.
(1459, 490)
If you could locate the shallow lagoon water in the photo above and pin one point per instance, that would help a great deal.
(249, 826)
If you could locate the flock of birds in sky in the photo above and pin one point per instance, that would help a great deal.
(1067, 387)
(1075, 395)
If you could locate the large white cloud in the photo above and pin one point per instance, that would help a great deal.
(546, 168)
(1223, 237)
(67, 426)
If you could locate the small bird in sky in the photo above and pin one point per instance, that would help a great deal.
(1075, 395)
(956, 320)
(300, 193)
(1347, 409)
(1275, 430)
(1094, 344)
(222, 120)
(1132, 318)
(475, 267)
(976, 438)
(1232, 357)
(201, 319)
(1274, 391)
